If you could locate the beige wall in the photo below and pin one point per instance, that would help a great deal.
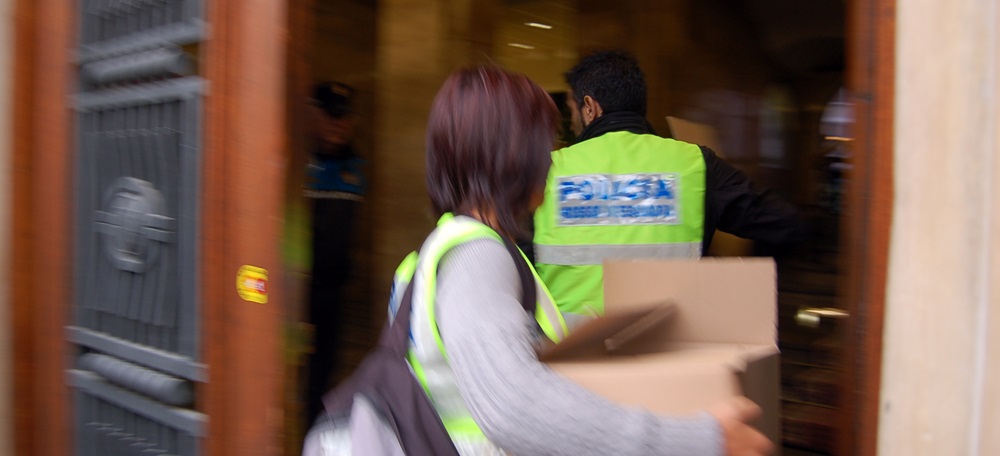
(419, 43)
(554, 50)
(6, 145)
(941, 366)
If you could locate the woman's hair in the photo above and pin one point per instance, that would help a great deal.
(489, 139)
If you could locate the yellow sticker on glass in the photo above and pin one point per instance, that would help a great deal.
(251, 284)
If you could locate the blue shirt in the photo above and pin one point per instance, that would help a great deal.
(337, 175)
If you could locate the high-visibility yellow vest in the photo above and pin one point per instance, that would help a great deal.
(427, 354)
(617, 196)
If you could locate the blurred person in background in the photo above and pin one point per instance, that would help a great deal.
(623, 192)
(472, 341)
(335, 186)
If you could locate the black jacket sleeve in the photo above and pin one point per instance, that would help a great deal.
(734, 205)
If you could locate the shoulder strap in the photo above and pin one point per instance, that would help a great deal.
(528, 297)
(396, 335)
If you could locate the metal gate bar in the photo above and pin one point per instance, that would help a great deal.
(136, 309)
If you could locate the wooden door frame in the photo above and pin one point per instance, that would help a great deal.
(40, 261)
(241, 223)
(866, 225)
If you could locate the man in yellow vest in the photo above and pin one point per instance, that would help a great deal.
(622, 192)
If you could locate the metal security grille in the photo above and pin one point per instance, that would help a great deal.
(136, 309)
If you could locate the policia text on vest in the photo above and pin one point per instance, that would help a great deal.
(644, 200)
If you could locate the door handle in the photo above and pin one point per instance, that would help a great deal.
(812, 316)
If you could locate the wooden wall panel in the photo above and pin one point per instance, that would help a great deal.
(241, 221)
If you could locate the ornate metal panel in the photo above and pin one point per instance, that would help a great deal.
(136, 307)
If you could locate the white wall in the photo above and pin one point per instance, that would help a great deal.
(6, 191)
(941, 366)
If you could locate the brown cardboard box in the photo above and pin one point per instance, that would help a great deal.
(681, 335)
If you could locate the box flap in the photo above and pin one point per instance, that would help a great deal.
(686, 378)
(728, 300)
(610, 332)
(666, 383)
(760, 382)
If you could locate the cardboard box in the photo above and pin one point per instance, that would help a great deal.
(679, 336)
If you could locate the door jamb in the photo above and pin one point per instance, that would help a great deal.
(40, 256)
(867, 223)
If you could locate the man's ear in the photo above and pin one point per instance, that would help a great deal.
(590, 110)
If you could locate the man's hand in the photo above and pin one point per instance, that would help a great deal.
(740, 438)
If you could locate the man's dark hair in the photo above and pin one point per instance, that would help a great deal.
(489, 141)
(613, 78)
(333, 98)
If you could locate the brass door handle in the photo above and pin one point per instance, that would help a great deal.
(812, 316)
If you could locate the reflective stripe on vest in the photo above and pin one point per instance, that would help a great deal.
(596, 254)
(427, 355)
(620, 195)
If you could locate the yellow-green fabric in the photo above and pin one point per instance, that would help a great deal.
(430, 368)
(296, 241)
(619, 195)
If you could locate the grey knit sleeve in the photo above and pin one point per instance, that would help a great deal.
(520, 404)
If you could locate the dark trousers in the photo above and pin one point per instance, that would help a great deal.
(333, 225)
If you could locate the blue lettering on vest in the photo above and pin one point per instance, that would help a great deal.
(618, 199)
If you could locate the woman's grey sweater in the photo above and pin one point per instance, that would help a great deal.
(522, 405)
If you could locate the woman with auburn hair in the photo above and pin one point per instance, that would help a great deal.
(472, 338)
